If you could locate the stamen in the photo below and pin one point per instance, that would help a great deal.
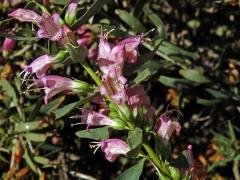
(75, 117)
(145, 34)
(75, 124)
(95, 145)
(170, 111)
(106, 35)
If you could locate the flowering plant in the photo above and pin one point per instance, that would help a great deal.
(119, 117)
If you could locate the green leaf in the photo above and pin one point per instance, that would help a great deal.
(94, 9)
(134, 138)
(180, 162)
(174, 82)
(217, 93)
(231, 132)
(195, 76)
(148, 69)
(161, 148)
(41, 160)
(36, 137)
(133, 173)
(131, 20)
(154, 18)
(29, 161)
(29, 126)
(59, 2)
(207, 102)
(96, 134)
(18, 38)
(7, 87)
(77, 54)
(68, 108)
(52, 105)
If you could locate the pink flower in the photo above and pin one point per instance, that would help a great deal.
(56, 84)
(195, 170)
(110, 58)
(50, 27)
(39, 66)
(114, 86)
(113, 148)
(137, 97)
(25, 15)
(92, 118)
(8, 45)
(92, 52)
(165, 127)
(71, 12)
(128, 46)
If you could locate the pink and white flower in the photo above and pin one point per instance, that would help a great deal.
(39, 66)
(50, 27)
(92, 118)
(56, 84)
(165, 127)
(112, 148)
(111, 57)
(114, 86)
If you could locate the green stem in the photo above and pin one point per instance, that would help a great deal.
(156, 160)
(92, 73)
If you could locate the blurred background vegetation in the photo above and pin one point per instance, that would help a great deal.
(191, 62)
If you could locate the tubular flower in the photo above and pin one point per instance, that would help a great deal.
(165, 127)
(114, 86)
(110, 58)
(92, 118)
(39, 66)
(56, 84)
(113, 148)
(25, 15)
(8, 45)
(50, 27)
(195, 170)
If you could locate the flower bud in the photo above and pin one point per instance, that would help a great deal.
(8, 44)
(25, 15)
(71, 12)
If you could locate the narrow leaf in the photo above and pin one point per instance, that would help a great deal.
(131, 20)
(194, 75)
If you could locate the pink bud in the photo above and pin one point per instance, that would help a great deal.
(113, 148)
(71, 12)
(25, 15)
(8, 44)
